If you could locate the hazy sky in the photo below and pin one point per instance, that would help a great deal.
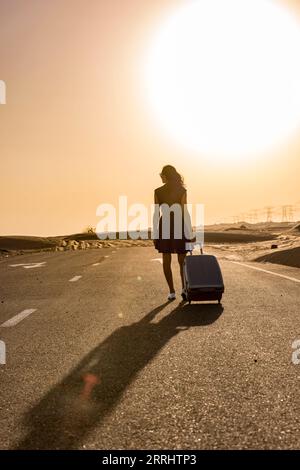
(76, 130)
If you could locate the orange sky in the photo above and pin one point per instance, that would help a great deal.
(76, 131)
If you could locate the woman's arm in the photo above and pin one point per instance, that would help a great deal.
(188, 229)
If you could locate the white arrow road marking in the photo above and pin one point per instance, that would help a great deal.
(15, 265)
(17, 318)
(36, 265)
(157, 259)
(29, 265)
(75, 278)
(268, 272)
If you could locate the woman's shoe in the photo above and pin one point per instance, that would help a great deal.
(172, 296)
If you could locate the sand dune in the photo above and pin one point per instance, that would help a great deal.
(290, 257)
(295, 229)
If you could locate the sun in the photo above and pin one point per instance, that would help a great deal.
(223, 76)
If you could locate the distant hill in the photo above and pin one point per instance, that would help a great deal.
(20, 242)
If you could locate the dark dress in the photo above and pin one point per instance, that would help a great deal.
(170, 195)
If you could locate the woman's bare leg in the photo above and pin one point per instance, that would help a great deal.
(167, 257)
(181, 258)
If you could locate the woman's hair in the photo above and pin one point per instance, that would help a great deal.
(172, 176)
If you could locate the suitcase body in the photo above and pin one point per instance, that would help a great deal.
(203, 278)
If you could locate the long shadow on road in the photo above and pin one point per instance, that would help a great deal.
(77, 404)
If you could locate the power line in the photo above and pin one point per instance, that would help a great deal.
(287, 212)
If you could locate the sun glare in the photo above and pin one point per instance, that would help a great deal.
(223, 76)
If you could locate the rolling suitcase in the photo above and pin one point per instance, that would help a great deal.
(203, 278)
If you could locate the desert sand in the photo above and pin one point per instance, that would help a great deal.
(265, 242)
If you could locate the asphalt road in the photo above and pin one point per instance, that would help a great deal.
(104, 362)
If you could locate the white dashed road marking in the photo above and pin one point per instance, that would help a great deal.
(268, 272)
(17, 318)
(75, 278)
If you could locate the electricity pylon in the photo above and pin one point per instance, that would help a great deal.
(269, 210)
(287, 213)
(290, 213)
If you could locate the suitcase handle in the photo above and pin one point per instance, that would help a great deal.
(190, 251)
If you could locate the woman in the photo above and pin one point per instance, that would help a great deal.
(171, 239)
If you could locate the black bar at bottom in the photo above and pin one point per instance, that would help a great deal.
(138, 458)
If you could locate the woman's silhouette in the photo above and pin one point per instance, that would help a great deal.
(172, 240)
